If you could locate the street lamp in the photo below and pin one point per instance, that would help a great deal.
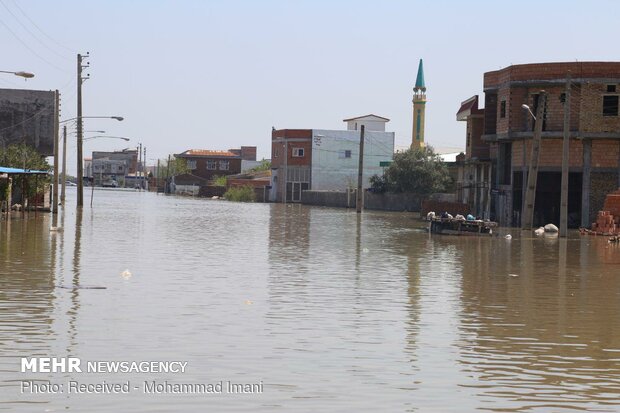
(25, 75)
(80, 166)
(526, 107)
(107, 137)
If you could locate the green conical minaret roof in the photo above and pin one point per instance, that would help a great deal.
(419, 81)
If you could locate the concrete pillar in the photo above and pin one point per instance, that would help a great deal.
(619, 164)
(476, 183)
(585, 183)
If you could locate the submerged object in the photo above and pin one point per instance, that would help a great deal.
(550, 228)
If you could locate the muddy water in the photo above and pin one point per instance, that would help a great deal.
(326, 310)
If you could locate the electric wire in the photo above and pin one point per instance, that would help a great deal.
(32, 34)
(30, 49)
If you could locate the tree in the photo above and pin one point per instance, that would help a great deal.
(24, 157)
(178, 166)
(265, 165)
(417, 170)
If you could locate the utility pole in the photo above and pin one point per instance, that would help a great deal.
(64, 165)
(144, 169)
(167, 184)
(532, 176)
(565, 153)
(157, 178)
(80, 166)
(139, 169)
(56, 151)
(360, 174)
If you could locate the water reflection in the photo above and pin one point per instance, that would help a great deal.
(331, 309)
(27, 277)
(534, 335)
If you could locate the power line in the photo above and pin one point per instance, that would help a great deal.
(41, 30)
(32, 34)
(30, 49)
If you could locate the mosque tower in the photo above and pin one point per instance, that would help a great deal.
(419, 106)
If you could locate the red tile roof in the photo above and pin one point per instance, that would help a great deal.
(206, 152)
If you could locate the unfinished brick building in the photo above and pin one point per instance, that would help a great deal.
(594, 161)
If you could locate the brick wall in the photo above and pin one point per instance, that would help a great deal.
(602, 184)
(549, 71)
(591, 117)
(550, 153)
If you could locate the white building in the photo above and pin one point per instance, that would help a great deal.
(322, 159)
(335, 153)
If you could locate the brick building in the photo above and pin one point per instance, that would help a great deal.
(322, 159)
(501, 135)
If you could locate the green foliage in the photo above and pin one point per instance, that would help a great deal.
(418, 170)
(177, 166)
(219, 180)
(25, 157)
(379, 184)
(265, 165)
(240, 194)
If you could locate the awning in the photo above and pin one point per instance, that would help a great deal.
(19, 171)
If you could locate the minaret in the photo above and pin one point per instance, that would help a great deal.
(419, 106)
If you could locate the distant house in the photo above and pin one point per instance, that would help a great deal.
(206, 164)
(322, 159)
(116, 166)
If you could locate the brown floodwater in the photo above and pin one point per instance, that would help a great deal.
(328, 310)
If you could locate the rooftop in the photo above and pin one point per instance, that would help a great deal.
(206, 152)
(365, 117)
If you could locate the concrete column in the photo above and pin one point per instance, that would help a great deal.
(476, 183)
(585, 183)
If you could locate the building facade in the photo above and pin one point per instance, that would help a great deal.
(112, 168)
(205, 165)
(507, 131)
(322, 159)
(474, 171)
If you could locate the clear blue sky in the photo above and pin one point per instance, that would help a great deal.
(220, 74)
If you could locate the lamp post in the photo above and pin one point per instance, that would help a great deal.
(80, 166)
(527, 216)
(107, 137)
(25, 75)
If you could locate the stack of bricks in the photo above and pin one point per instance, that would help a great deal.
(608, 220)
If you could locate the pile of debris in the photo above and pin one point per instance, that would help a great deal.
(607, 220)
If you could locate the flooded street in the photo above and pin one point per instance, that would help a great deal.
(328, 310)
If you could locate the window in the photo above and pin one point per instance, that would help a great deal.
(223, 165)
(211, 164)
(345, 153)
(298, 152)
(610, 105)
(611, 88)
(191, 165)
(276, 152)
(502, 109)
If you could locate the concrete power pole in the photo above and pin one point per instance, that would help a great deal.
(144, 170)
(64, 165)
(56, 152)
(532, 176)
(565, 155)
(80, 166)
(360, 175)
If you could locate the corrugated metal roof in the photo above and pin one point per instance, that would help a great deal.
(15, 171)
